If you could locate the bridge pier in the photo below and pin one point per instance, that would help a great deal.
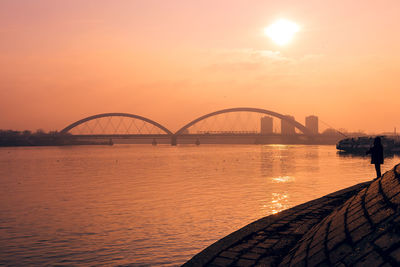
(174, 140)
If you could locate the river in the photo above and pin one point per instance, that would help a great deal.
(153, 205)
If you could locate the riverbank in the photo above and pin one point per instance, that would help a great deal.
(351, 226)
(9, 138)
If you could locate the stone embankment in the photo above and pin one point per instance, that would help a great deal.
(357, 226)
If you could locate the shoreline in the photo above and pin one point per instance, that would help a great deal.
(355, 226)
(227, 250)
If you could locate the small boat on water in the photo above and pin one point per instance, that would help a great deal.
(357, 145)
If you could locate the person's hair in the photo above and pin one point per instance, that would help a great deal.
(377, 141)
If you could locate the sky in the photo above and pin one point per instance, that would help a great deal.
(173, 61)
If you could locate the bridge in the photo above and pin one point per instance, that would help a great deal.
(233, 125)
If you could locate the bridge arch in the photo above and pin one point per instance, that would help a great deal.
(75, 124)
(295, 123)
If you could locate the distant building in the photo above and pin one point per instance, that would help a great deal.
(312, 124)
(266, 125)
(286, 127)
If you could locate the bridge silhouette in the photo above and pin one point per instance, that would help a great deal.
(104, 126)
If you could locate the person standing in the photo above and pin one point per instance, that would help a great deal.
(377, 155)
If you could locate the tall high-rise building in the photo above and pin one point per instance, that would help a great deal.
(266, 125)
(312, 124)
(286, 127)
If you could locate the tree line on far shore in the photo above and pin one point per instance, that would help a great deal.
(28, 138)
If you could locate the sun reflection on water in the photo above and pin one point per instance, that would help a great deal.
(283, 179)
(279, 202)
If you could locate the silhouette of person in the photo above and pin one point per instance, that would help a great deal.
(376, 155)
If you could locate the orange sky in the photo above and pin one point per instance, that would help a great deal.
(172, 61)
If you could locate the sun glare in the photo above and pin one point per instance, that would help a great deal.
(282, 31)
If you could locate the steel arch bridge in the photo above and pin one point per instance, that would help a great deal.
(182, 132)
(295, 123)
(110, 115)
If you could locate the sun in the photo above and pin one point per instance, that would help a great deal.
(282, 31)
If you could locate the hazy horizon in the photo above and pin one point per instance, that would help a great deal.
(173, 61)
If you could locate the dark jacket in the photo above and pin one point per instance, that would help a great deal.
(376, 154)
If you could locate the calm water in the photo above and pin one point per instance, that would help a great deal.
(145, 205)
